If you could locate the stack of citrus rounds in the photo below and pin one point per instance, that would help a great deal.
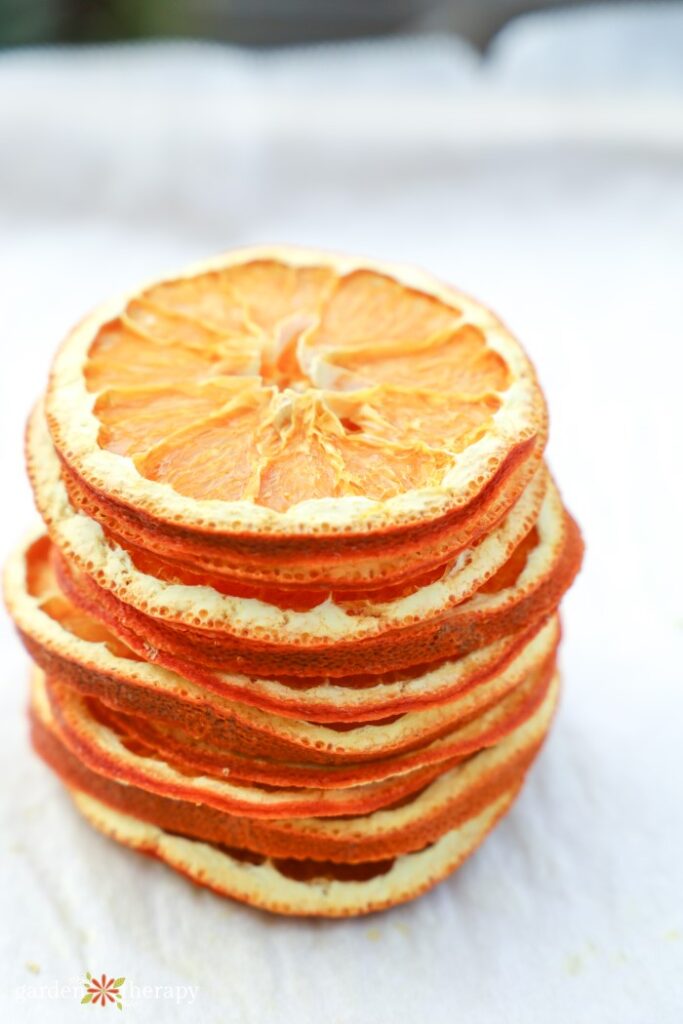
(295, 613)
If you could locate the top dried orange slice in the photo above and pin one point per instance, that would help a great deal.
(285, 393)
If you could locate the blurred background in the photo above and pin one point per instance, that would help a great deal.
(254, 22)
(529, 152)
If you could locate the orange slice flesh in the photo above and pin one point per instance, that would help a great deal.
(41, 584)
(215, 457)
(461, 363)
(509, 573)
(413, 415)
(143, 416)
(260, 293)
(278, 384)
(367, 307)
(121, 358)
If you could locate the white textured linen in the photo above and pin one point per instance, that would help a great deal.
(555, 194)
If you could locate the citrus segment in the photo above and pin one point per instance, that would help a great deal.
(120, 357)
(216, 457)
(276, 295)
(148, 320)
(409, 415)
(367, 306)
(205, 301)
(135, 419)
(462, 364)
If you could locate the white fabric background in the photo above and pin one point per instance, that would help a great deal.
(548, 180)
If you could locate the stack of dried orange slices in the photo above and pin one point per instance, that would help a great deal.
(295, 616)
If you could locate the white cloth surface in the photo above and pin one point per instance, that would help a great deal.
(562, 207)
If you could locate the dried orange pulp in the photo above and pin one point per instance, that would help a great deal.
(194, 417)
(337, 393)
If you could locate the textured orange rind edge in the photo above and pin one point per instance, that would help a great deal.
(105, 750)
(139, 689)
(367, 750)
(206, 658)
(252, 620)
(235, 763)
(369, 561)
(263, 887)
(442, 805)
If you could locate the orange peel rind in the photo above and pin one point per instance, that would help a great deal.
(295, 846)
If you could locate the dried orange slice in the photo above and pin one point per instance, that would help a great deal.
(527, 591)
(301, 888)
(211, 734)
(320, 408)
(296, 614)
(75, 648)
(189, 601)
(320, 757)
(418, 819)
(107, 752)
(104, 740)
(331, 867)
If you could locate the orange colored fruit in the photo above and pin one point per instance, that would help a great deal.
(327, 411)
(295, 616)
